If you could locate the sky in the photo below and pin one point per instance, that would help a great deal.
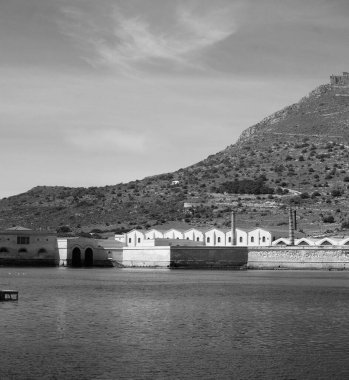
(95, 93)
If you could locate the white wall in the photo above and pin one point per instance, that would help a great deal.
(62, 249)
(259, 237)
(215, 238)
(146, 257)
(194, 235)
(134, 238)
(241, 237)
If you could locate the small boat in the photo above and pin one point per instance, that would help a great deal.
(8, 295)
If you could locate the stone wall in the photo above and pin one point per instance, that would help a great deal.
(209, 257)
(298, 258)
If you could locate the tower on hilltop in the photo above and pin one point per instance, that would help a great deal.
(340, 80)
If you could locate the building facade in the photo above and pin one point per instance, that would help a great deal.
(22, 246)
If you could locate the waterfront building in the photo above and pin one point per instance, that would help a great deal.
(215, 238)
(195, 234)
(259, 237)
(89, 252)
(23, 246)
(241, 237)
(135, 238)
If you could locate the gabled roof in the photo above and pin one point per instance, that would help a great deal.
(155, 229)
(237, 229)
(215, 228)
(257, 228)
(281, 240)
(310, 241)
(135, 229)
(326, 240)
(199, 229)
(181, 230)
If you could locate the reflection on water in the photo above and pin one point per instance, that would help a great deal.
(108, 324)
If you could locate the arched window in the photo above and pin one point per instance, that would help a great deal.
(3, 249)
(252, 239)
(42, 250)
(229, 239)
(197, 239)
(22, 250)
(139, 240)
(263, 239)
(129, 240)
(187, 238)
(219, 240)
(240, 239)
(208, 240)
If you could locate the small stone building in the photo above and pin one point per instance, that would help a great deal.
(340, 80)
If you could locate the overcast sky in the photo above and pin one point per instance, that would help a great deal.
(94, 93)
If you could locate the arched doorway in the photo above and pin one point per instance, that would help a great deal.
(76, 257)
(88, 257)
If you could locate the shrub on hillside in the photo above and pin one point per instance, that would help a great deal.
(63, 230)
(328, 219)
(345, 224)
(246, 186)
(336, 193)
(315, 194)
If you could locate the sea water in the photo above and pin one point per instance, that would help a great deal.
(179, 324)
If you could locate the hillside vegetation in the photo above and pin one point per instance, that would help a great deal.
(298, 156)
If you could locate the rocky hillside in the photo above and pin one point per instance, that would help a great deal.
(298, 156)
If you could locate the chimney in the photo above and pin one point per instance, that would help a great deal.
(233, 229)
(291, 226)
(295, 220)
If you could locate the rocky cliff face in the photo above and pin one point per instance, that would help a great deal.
(323, 113)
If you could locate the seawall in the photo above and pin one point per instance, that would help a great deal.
(193, 257)
(336, 258)
(208, 257)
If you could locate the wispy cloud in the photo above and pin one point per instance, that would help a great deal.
(130, 43)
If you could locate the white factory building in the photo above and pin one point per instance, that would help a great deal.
(214, 237)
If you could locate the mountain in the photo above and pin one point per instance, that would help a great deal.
(298, 156)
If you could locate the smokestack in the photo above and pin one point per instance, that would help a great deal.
(295, 220)
(291, 226)
(233, 229)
